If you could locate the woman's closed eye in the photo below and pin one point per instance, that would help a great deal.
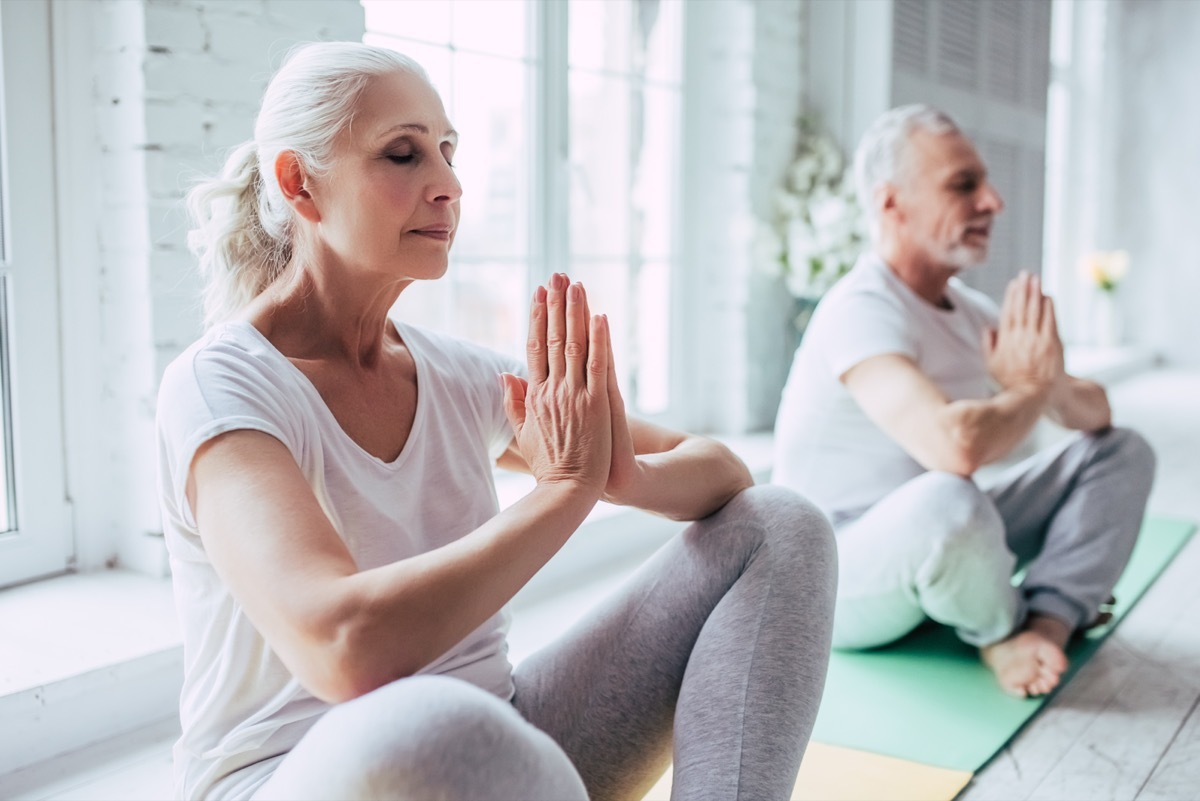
(413, 158)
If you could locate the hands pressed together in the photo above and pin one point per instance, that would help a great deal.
(569, 417)
(1025, 350)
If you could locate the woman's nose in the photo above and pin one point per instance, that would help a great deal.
(445, 187)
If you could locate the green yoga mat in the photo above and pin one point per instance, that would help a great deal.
(928, 698)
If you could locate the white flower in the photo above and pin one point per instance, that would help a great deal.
(768, 248)
(788, 204)
(818, 226)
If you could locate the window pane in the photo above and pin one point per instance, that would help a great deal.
(483, 295)
(651, 374)
(621, 205)
(497, 27)
(627, 37)
(600, 165)
(8, 517)
(655, 170)
(599, 35)
(426, 20)
(636, 298)
(624, 134)
(660, 35)
(492, 162)
(484, 302)
(609, 292)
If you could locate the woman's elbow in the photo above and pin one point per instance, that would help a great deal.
(347, 660)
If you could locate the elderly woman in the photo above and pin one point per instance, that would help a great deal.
(340, 564)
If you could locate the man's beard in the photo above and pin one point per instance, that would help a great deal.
(960, 255)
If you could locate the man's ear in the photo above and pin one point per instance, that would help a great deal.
(887, 201)
(289, 172)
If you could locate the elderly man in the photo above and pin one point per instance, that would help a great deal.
(908, 381)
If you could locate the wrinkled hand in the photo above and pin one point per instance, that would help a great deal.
(1025, 350)
(624, 473)
(561, 416)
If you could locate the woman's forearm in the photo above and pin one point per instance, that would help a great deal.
(690, 481)
(391, 621)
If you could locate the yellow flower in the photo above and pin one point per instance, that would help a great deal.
(1105, 268)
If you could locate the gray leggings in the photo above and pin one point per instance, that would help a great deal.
(713, 654)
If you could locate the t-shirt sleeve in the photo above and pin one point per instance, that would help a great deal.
(499, 431)
(476, 373)
(860, 325)
(208, 393)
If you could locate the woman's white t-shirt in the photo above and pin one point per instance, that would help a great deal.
(239, 704)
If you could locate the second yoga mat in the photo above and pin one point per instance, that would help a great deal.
(929, 699)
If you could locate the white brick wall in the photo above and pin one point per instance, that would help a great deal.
(175, 84)
(743, 105)
(779, 85)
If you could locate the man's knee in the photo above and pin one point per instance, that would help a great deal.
(961, 515)
(1130, 451)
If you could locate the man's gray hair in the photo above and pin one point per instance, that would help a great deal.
(880, 152)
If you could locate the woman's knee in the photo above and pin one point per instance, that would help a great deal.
(789, 522)
(433, 736)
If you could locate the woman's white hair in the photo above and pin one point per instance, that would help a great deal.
(881, 151)
(243, 234)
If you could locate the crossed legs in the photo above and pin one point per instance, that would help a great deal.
(943, 548)
(713, 654)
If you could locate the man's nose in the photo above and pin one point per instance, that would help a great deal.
(991, 200)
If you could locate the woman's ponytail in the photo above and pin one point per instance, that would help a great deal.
(240, 252)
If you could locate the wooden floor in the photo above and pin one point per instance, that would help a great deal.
(1128, 725)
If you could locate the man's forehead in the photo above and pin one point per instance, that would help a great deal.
(945, 153)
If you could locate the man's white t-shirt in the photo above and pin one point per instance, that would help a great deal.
(826, 447)
(239, 704)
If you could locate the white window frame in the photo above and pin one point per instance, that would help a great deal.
(42, 543)
(549, 240)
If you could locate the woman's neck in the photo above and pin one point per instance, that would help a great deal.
(315, 314)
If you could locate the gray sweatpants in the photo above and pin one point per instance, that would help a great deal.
(942, 547)
(713, 654)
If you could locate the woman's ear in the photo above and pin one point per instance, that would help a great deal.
(289, 172)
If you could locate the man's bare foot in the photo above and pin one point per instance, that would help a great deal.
(1032, 661)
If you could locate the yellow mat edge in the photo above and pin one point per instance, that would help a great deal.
(836, 773)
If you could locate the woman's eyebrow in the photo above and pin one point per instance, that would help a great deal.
(450, 134)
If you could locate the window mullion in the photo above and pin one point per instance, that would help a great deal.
(549, 221)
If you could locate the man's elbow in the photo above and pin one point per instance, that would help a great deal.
(959, 446)
(965, 451)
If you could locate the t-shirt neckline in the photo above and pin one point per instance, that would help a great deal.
(310, 388)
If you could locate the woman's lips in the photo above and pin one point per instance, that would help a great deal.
(440, 234)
